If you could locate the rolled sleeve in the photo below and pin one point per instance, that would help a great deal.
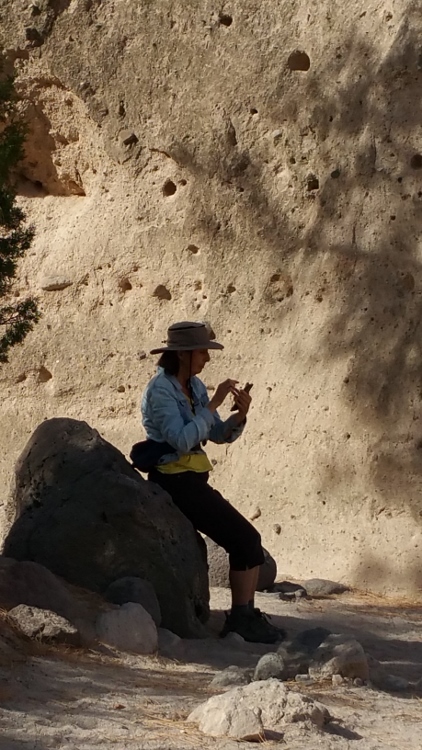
(226, 431)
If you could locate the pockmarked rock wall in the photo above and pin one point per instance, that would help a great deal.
(258, 165)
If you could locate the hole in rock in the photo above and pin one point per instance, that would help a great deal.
(275, 277)
(183, 182)
(298, 60)
(21, 377)
(312, 182)
(399, 179)
(393, 218)
(44, 375)
(198, 285)
(231, 288)
(194, 249)
(225, 19)
(161, 292)
(121, 389)
(169, 188)
(416, 161)
(253, 111)
(125, 285)
(335, 173)
(292, 160)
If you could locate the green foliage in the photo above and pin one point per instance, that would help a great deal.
(16, 320)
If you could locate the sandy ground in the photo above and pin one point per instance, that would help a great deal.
(74, 700)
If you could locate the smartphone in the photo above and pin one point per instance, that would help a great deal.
(247, 388)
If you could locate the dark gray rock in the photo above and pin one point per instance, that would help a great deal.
(295, 662)
(88, 516)
(232, 676)
(289, 591)
(218, 567)
(321, 587)
(271, 665)
(43, 625)
(297, 653)
(390, 683)
(136, 590)
(307, 641)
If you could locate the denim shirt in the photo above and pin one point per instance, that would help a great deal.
(168, 417)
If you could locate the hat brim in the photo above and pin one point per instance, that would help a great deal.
(192, 348)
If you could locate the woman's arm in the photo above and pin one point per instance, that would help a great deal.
(165, 414)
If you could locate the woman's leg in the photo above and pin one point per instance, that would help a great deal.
(211, 514)
(243, 585)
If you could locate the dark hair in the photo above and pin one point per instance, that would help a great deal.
(170, 362)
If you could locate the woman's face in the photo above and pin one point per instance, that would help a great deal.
(197, 360)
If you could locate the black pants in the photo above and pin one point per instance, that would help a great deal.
(211, 514)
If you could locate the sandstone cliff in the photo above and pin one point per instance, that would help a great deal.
(258, 165)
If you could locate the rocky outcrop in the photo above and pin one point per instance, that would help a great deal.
(85, 514)
(258, 165)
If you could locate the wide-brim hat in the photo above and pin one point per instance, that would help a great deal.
(187, 336)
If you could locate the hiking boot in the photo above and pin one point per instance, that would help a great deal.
(280, 632)
(252, 628)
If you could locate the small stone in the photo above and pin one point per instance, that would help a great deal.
(324, 587)
(304, 678)
(289, 591)
(232, 676)
(337, 680)
(308, 640)
(121, 389)
(335, 174)
(339, 654)
(255, 513)
(271, 665)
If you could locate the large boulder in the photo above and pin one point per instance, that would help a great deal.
(218, 567)
(88, 516)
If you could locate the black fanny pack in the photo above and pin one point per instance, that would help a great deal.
(146, 455)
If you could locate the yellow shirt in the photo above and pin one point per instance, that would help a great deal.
(198, 462)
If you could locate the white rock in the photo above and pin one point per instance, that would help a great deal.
(246, 712)
(339, 655)
(129, 628)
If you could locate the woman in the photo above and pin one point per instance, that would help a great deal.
(176, 410)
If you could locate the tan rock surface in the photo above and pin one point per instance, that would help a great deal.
(184, 163)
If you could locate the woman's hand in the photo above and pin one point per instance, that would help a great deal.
(242, 402)
(221, 393)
